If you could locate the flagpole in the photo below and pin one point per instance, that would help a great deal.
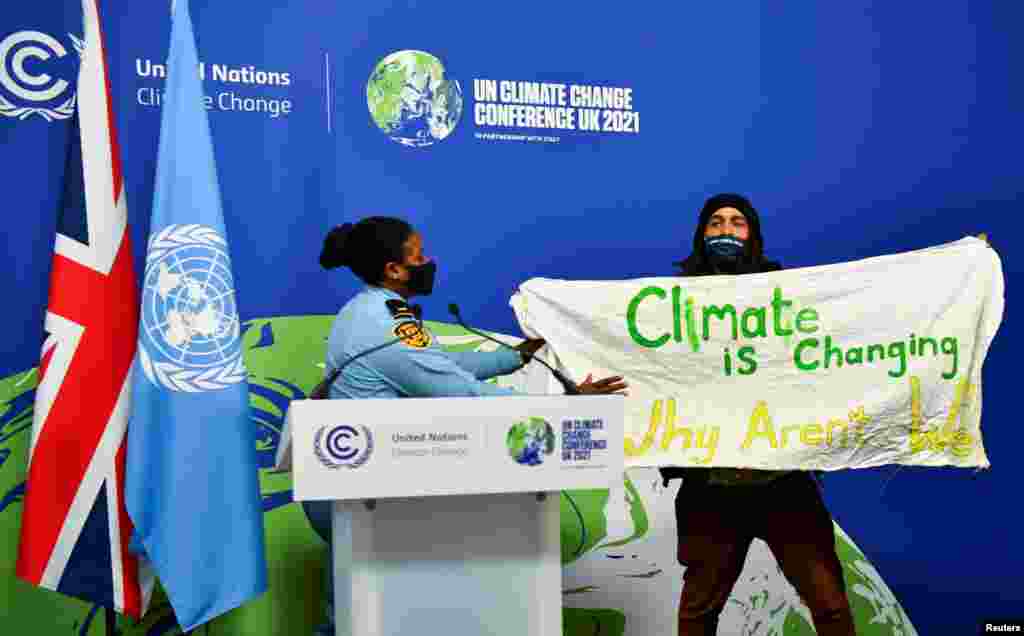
(110, 617)
(111, 628)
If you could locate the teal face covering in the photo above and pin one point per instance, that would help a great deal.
(725, 247)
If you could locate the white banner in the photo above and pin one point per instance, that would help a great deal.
(852, 365)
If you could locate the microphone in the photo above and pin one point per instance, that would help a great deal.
(568, 385)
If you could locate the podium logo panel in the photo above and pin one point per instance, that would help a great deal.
(343, 446)
(584, 442)
(529, 441)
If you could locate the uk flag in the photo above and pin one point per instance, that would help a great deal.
(75, 530)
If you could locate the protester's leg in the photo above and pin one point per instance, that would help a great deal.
(713, 546)
(319, 515)
(799, 532)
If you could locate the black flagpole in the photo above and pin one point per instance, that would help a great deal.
(111, 621)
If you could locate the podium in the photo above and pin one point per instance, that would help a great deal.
(445, 515)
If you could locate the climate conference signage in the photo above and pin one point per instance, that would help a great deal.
(227, 100)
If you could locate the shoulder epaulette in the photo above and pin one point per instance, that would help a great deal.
(402, 310)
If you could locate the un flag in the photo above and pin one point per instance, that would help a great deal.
(192, 487)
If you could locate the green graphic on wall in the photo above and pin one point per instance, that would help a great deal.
(620, 576)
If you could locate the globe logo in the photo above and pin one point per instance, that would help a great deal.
(343, 446)
(530, 440)
(411, 101)
(189, 320)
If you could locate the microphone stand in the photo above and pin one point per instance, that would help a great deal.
(568, 385)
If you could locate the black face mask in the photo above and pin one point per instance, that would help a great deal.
(421, 278)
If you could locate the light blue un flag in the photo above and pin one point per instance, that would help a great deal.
(192, 487)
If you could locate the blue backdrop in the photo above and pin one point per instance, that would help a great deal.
(857, 128)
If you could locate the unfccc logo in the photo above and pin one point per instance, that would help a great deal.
(343, 446)
(29, 90)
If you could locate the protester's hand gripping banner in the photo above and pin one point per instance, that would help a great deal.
(852, 365)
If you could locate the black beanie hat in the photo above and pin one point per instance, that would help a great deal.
(728, 200)
(753, 258)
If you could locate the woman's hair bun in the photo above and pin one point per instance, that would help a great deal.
(334, 253)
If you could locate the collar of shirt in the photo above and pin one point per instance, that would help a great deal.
(383, 291)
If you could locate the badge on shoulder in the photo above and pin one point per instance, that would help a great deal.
(412, 334)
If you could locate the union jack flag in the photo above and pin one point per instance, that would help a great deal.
(75, 530)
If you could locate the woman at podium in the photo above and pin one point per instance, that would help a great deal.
(379, 347)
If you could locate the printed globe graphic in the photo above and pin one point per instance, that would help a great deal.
(530, 440)
(411, 101)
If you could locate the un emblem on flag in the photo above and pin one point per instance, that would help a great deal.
(190, 337)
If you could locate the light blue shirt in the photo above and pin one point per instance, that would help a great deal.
(414, 366)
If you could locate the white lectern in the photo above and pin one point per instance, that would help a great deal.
(446, 510)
